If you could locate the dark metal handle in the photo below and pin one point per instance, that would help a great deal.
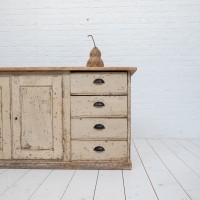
(99, 81)
(99, 149)
(99, 104)
(99, 126)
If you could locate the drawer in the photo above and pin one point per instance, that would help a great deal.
(98, 150)
(98, 106)
(99, 128)
(99, 83)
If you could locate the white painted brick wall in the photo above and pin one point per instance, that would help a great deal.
(160, 37)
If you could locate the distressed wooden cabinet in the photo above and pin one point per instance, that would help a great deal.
(68, 117)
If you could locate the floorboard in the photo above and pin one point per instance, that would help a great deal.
(109, 185)
(189, 181)
(2, 171)
(85, 181)
(195, 141)
(136, 181)
(194, 149)
(25, 187)
(186, 156)
(9, 178)
(164, 183)
(55, 185)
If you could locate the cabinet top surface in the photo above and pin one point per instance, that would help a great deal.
(86, 69)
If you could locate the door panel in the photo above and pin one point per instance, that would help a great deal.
(5, 131)
(37, 113)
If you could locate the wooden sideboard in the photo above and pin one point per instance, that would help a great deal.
(65, 117)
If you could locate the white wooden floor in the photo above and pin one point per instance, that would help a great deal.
(164, 169)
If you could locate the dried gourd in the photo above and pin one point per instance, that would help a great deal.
(95, 56)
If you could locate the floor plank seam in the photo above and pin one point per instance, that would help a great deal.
(169, 170)
(187, 149)
(146, 171)
(191, 140)
(95, 185)
(39, 185)
(68, 185)
(178, 157)
(15, 182)
(124, 184)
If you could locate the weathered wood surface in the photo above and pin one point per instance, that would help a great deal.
(84, 150)
(54, 164)
(16, 69)
(113, 128)
(113, 83)
(114, 106)
(5, 131)
(53, 118)
(66, 116)
(37, 117)
(129, 115)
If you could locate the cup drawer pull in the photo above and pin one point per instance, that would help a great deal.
(99, 104)
(98, 81)
(99, 126)
(99, 149)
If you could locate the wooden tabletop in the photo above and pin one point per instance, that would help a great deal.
(14, 69)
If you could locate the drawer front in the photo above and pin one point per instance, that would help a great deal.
(99, 128)
(99, 83)
(92, 150)
(98, 106)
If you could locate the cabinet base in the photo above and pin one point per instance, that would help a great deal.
(41, 164)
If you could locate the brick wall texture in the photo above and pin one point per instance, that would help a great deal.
(160, 37)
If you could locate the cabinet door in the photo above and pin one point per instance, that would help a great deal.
(5, 131)
(37, 116)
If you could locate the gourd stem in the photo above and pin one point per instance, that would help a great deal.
(92, 39)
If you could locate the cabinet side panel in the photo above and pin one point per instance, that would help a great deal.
(1, 125)
(129, 115)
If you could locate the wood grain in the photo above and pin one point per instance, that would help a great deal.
(114, 83)
(114, 129)
(5, 131)
(83, 106)
(84, 150)
(72, 69)
(37, 117)
(49, 164)
(54, 114)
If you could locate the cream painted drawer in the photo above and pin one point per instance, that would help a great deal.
(99, 83)
(98, 106)
(107, 150)
(99, 128)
